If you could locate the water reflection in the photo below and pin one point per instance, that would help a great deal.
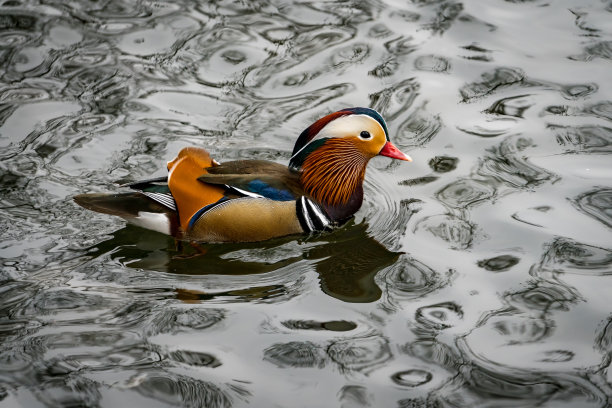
(441, 293)
(346, 260)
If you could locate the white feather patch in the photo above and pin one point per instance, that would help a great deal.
(154, 221)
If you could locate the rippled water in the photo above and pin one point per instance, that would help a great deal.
(476, 276)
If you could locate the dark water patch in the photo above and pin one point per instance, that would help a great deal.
(348, 263)
(583, 139)
(564, 255)
(597, 204)
(499, 263)
(360, 353)
(439, 316)
(465, 192)
(443, 164)
(18, 21)
(418, 181)
(332, 325)
(296, 354)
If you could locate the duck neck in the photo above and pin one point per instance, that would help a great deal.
(333, 175)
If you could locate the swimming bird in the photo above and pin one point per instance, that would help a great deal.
(255, 200)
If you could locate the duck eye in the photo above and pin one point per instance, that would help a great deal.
(365, 134)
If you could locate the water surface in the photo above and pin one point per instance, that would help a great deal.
(476, 276)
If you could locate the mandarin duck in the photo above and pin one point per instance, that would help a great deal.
(254, 200)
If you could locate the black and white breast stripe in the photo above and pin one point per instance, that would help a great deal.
(311, 216)
(164, 199)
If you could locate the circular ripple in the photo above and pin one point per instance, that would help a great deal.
(439, 316)
(296, 354)
(452, 229)
(465, 192)
(567, 256)
(433, 63)
(412, 378)
(356, 354)
(410, 278)
(597, 204)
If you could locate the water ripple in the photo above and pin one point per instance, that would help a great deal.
(410, 279)
(296, 354)
(597, 204)
(465, 192)
(457, 232)
(360, 354)
(564, 255)
(504, 164)
(584, 139)
(175, 389)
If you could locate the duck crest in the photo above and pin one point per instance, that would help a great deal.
(334, 172)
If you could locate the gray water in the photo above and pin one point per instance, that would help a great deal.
(476, 276)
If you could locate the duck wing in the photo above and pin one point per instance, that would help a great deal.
(255, 178)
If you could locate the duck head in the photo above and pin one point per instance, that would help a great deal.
(331, 156)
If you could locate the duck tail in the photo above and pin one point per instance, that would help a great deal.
(134, 207)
